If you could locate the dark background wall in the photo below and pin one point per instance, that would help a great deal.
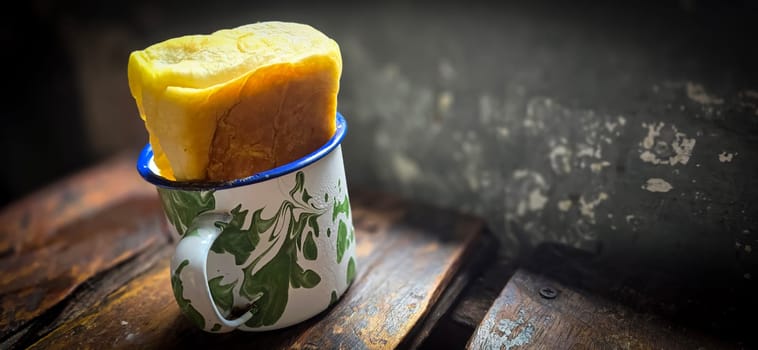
(626, 129)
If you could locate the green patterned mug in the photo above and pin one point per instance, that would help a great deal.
(263, 252)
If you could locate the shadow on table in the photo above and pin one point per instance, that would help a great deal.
(710, 302)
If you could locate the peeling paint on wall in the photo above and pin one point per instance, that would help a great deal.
(560, 159)
(536, 199)
(611, 126)
(598, 166)
(657, 185)
(542, 164)
(532, 122)
(725, 157)
(576, 151)
(696, 92)
(672, 148)
(587, 208)
(406, 169)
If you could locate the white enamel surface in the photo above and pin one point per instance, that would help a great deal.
(321, 177)
(193, 249)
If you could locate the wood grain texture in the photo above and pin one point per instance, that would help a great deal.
(32, 221)
(87, 296)
(441, 330)
(521, 318)
(58, 238)
(479, 296)
(407, 255)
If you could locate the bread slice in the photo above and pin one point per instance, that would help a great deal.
(236, 102)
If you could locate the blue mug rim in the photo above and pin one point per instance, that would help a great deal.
(143, 166)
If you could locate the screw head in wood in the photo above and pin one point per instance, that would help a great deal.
(548, 293)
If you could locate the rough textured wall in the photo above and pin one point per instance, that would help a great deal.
(628, 131)
(634, 137)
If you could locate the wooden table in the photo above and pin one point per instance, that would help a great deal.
(562, 298)
(84, 264)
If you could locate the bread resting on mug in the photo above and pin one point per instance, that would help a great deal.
(238, 101)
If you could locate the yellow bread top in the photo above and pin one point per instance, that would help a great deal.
(185, 87)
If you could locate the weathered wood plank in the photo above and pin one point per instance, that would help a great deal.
(56, 239)
(698, 298)
(31, 222)
(407, 255)
(439, 331)
(87, 296)
(485, 281)
(480, 295)
(524, 317)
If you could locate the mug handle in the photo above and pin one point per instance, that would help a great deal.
(189, 276)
